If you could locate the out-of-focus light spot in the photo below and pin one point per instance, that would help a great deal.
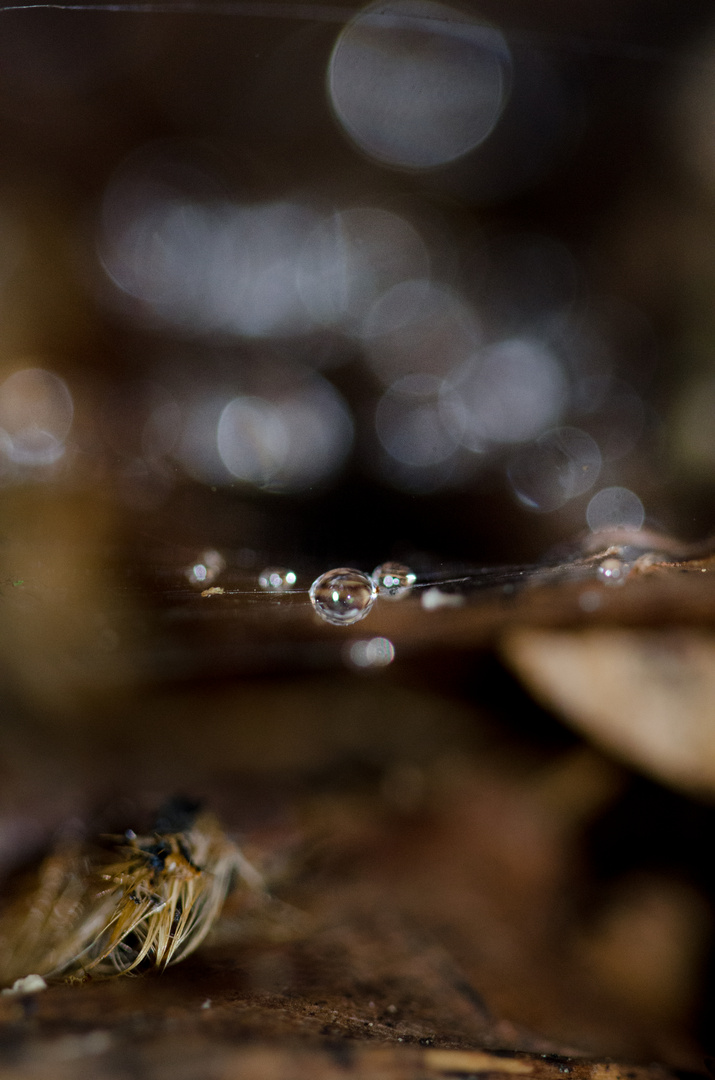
(254, 267)
(287, 440)
(433, 599)
(352, 257)
(419, 328)
(409, 424)
(36, 411)
(615, 508)
(375, 652)
(509, 393)
(560, 465)
(277, 579)
(418, 84)
(202, 263)
(208, 567)
(590, 600)
(233, 268)
(252, 439)
(613, 571)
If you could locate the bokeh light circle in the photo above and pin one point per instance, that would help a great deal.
(409, 425)
(36, 411)
(508, 393)
(294, 433)
(352, 257)
(615, 508)
(252, 439)
(558, 466)
(418, 84)
(419, 328)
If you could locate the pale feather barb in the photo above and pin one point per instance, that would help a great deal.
(149, 902)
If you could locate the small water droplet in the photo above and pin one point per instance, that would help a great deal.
(343, 596)
(206, 569)
(277, 579)
(613, 571)
(373, 652)
(393, 580)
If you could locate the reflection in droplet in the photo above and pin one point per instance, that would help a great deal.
(615, 508)
(418, 84)
(206, 568)
(343, 596)
(613, 571)
(374, 652)
(560, 465)
(36, 411)
(277, 579)
(393, 580)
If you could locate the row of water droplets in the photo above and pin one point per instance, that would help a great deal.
(343, 596)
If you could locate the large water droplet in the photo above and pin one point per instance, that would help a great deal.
(393, 580)
(343, 596)
(613, 571)
(277, 579)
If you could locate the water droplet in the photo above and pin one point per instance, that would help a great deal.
(277, 579)
(613, 571)
(373, 652)
(393, 580)
(343, 596)
(206, 569)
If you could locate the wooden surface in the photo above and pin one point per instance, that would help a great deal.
(433, 908)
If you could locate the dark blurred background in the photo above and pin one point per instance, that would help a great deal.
(414, 278)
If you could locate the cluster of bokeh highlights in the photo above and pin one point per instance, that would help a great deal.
(467, 355)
